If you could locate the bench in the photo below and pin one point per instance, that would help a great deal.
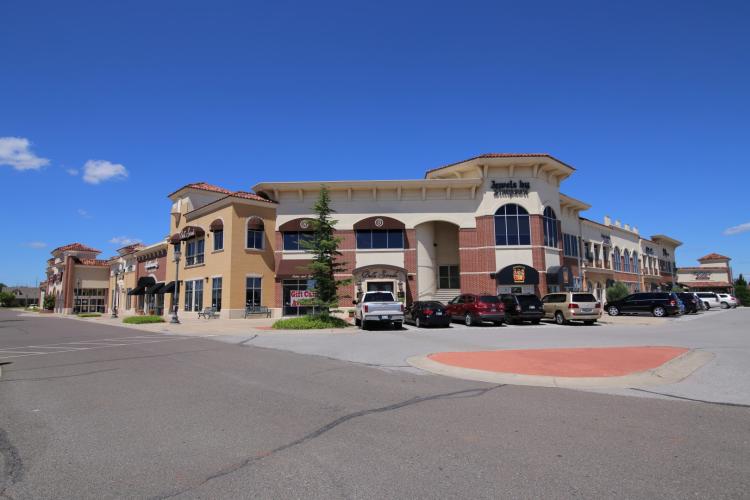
(208, 313)
(257, 310)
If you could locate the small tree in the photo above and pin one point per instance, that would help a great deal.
(7, 299)
(325, 249)
(741, 291)
(617, 291)
(49, 302)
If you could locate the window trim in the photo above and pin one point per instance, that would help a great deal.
(518, 217)
(380, 231)
(262, 231)
(551, 221)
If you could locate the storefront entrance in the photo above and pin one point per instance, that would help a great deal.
(380, 278)
(380, 286)
(517, 278)
(294, 294)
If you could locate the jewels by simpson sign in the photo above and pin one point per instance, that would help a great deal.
(510, 188)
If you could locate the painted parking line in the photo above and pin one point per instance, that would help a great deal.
(63, 347)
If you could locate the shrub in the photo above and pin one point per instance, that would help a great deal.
(49, 302)
(7, 299)
(310, 323)
(617, 291)
(139, 320)
(89, 315)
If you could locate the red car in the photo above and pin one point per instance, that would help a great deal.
(475, 309)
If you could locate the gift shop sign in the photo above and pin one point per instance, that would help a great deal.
(300, 297)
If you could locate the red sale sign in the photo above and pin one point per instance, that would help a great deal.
(298, 297)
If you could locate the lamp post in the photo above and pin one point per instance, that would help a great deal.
(116, 297)
(175, 305)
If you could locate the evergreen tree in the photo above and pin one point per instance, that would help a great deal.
(324, 247)
(741, 291)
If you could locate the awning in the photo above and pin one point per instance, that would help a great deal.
(217, 225)
(144, 282)
(516, 274)
(255, 223)
(187, 233)
(154, 288)
(380, 222)
(168, 288)
(297, 268)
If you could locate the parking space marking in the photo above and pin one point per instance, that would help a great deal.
(82, 345)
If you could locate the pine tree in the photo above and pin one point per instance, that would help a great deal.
(741, 291)
(324, 247)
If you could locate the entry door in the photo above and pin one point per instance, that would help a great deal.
(380, 286)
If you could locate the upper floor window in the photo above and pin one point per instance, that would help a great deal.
(616, 259)
(293, 240)
(635, 262)
(255, 234)
(550, 228)
(194, 250)
(219, 240)
(626, 261)
(570, 245)
(512, 226)
(380, 238)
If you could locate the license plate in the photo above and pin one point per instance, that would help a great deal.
(439, 313)
(385, 317)
(532, 307)
(587, 310)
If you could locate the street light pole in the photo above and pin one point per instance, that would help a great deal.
(116, 298)
(177, 255)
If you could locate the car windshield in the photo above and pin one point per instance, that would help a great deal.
(583, 297)
(489, 298)
(378, 297)
(433, 305)
(526, 300)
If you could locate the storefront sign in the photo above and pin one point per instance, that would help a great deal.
(381, 274)
(300, 297)
(702, 276)
(519, 274)
(516, 274)
(511, 188)
(151, 265)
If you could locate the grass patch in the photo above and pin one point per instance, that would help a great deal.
(310, 323)
(89, 315)
(140, 320)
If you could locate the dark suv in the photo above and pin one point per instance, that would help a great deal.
(520, 308)
(691, 301)
(659, 304)
(474, 309)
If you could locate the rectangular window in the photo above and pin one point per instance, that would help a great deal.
(293, 240)
(380, 238)
(218, 240)
(194, 295)
(255, 239)
(252, 291)
(449, 277)
(188, 295)
(570, 245)
(216, 293)
(194, 252)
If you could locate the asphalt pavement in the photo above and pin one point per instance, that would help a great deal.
(95, 411)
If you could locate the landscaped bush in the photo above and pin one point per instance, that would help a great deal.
(617, 291)
(139, 320)
(49, 302)
(310, 323)
(89, 315)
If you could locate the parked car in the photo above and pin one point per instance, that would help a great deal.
(474, 309)
(564, 307)
(692, 303)
(378, 308)
(709, 299)
(520, 308)
(659, 304)
(427, 313)
(727, 300)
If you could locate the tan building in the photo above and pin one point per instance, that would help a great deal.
(77, 279)
(713, 274)
(122, 278)
(227, 249)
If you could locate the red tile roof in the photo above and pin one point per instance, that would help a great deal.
(502, 155)
(76, 246)
(251, 196)
(714, 256)
(203, 186)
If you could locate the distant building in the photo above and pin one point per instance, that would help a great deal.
(77, 279)
(713, 274)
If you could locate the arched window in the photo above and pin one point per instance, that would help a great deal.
(512, 226)
(255, 233)
(626, 261)
(616, 259)
(550, 228)
(635, 262)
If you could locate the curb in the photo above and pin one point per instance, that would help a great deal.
(670, 372)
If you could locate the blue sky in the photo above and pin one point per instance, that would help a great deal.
(115, 104)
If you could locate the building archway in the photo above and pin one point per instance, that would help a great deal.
(438, 260)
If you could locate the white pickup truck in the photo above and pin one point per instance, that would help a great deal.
(378, 307)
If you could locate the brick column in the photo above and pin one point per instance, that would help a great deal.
(68, 283)
(538, 258)
(477, 256)
(410, 264)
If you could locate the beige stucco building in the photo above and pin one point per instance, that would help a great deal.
(713, 274)
(77, 279)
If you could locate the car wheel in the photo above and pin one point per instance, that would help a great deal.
(398, 325)
(724, 305)
(559, 318)
(468, 320)
(707, 305)
(659, 312)
(613, 311)
(417, 322)
(363, 325)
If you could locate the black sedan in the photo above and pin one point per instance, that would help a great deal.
(427, 313)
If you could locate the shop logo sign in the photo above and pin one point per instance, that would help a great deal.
(378, 222)
(702, 276)
(304, 224)
(519, 274)
(510, 188)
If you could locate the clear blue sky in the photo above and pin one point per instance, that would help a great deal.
(648, 100)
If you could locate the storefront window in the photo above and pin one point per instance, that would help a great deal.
(291, 307)
(293, 240)
(194, 295)
(449, 277)
(216, 294)
(550, 228)
(380, 238)
(252, 291)
(87, 300)
(194, 252)
(512, 226)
